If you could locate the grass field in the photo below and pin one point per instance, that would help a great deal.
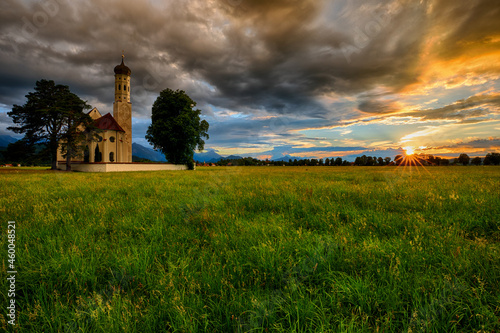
(255, 249)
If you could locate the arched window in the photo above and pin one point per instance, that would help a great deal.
(119, 87)
(97, 154)
(125, 87)
(111, 157)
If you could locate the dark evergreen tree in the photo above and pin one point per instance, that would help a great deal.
(44, 117)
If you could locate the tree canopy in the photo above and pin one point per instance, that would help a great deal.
(51, 113)
(464, 159)
(476, 160)
(176, 129)
(492, 158)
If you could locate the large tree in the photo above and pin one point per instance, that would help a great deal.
(47, 116)
(464, 159)
(176, 129)
(77, 125)
(492, 158)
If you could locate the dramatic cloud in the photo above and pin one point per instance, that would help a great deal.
(473, 107)
(378, 107)
(474, 147)
(490, 143)
(263, 71)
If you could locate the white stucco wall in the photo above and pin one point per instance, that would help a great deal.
(123, 167)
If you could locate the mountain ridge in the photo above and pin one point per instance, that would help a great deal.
(5, 140)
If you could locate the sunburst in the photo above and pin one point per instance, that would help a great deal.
(409, 150)
(410, 158)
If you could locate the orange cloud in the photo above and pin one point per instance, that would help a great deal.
(466, 70)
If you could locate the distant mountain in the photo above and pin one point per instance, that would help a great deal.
(140, 151)
(6, 139)
(208, 157)
(232, 157)
(147, 153)
(286, 158)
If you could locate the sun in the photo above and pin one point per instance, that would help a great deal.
(411, 158)
(409, 150)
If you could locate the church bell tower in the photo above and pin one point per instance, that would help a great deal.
(122, 108)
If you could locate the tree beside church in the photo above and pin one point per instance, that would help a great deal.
(46, 116)
(176, 128)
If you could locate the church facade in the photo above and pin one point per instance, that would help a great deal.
(113, 141)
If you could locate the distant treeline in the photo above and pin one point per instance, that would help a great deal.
(295, 162)
(24, 153)
(426, 160)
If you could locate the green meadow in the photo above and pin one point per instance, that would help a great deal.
(254, 249)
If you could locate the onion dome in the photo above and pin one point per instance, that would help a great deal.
(122, 69)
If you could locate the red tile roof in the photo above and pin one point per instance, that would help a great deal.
(107, 122)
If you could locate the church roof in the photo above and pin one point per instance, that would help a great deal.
(122, 69)
(107, 122)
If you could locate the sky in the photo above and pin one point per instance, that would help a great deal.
(306, 78)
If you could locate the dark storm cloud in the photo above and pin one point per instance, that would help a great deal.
(301, 57)
(274, 56)
(5, 121)
(270, 57)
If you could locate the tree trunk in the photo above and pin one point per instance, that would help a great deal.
(68, 159)
(54, 145)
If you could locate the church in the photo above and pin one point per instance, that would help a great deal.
(113, 143)
(111, 149)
